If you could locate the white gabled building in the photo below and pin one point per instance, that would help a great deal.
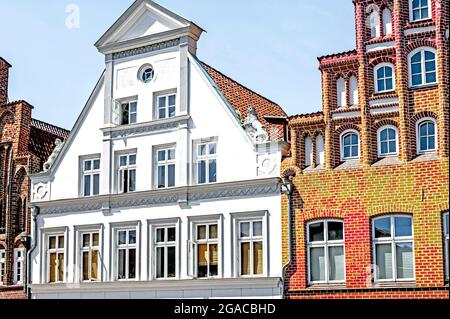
(168, 185)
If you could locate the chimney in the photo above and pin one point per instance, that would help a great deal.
(4, 74)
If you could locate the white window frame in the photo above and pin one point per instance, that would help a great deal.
(207, 158)
(166, 106)
(418, 124)
(127, 246)
(376, 25)
(165, 245)
(341, 139)
(375, 76)
(19, 263)
(309, 152)
(411, 15)
(320, 153)
(341, 95)
(325, 244)
(446, 245)
(91, 173)
(2, 265)
(353, 90)
(122, 110)
(58, 251)
(89, 249)
(387, 13)
(165, 163)
(121, 169)
(380, 154)
(393, 240)
(422, 67)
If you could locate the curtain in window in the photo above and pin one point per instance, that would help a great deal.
(336, 263)
(245, 258)
(384, 261)
(405, 268)
(317, 264)
(257, 258)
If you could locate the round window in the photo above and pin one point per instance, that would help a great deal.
(147, 74)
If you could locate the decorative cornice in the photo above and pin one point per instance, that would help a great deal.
(147, 48)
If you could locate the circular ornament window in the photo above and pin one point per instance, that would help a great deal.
(147, 73)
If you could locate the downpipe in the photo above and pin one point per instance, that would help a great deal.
(35, 213)
(287, 189)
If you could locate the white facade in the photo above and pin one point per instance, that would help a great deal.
(117, 218)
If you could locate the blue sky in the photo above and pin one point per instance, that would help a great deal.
(270, 47)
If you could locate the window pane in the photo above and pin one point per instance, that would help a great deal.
(430, 66)
(388, 71)
(171, 154)
(431, 77)
(60, 241)
(392, 147)
(383, 227)
(335, 231)
(423, 144)
(160, 235)
(172, 99)
(87, 185)
(171, 181)
(121, 264)
(202, 260)
(317, 264)
(201, 171)
(380, 73)
(132, 237)
(96, 189)
(384, 148)
(392, 134)
(160, 262)
(95, 239)
(403, 226)
(52, 242)
(201, 232)
(133, 118)
(161, 156)
(132, 182)
(86, 240)
(87, 165)
(381, 85)
(336, 263)
(355, 151)
(384, 135)
(405, 268)
(257, 258)
(60, 267)
(172, 111)
(171, 234)
(52, 267)
(416, 58)
(162, 113)
(94, 265)
(346, 152)
(162, 101)
(424, 13)
(212, 148)
(122, 237)
(213, 260)
(213, 231)
(416, 68)
(245, 229)
(384, 261)
(212, 171)
(97, 164)
(316, 232)
(86, 265)
(131, 263)
(245, 259)
(171, 260)
(417, 79)
(123, 161)
(257, 229)
(389, 85)
(132, 160)
(354, 139)
(161, 176)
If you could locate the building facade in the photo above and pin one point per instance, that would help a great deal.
(369, 211)
(25, 144)
(168, 185)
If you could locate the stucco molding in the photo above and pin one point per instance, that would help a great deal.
(146, 49)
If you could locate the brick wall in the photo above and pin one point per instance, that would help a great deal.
(4, 70)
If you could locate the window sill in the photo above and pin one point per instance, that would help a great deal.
(349, 164)
(336, 286)
(419, 23)
(387, 161)
(425, 157)
(424, 86)
(395, 284)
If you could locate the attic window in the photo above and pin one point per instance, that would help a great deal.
(146, 73)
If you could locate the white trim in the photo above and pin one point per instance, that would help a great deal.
(446, 244)
(422, 67)
(92, 172)
(384, 110)
(380, 154)
(375, 77)
(378, 102)
(83, 230)
(344, 115)
(166, 148)
(18, 274)
(393, 240)
(419, 30)
(46, 234)
(411, 12)
(380, 46)
(418, 124)
(341, 142)
(114, 229)
(206, 158)
(121, 169)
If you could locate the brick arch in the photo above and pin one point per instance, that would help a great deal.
(348, 126)
(318, 214)
(390, 209)
(382, 59)
(384, 122)
(418, 44)
(386, 5)
(416, 117)
(339, 75)
(371, 7)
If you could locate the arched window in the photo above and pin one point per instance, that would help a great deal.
(374, 21)
(384, 77)
(387, 22)
(393, 248)
(326, 257)
(308, 151)
(426, 135)
(349, 145)
(341, 96)
(387, 141)
(419, 10)
(353, 86)
(320, 151)
(422, 66)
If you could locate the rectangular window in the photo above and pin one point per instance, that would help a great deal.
(19, 262)
(446, 246)
(2, 265)
(90, 256)
(166, 106)
(206, 250)
(251, 247)
(55, 258)
(91, 177)
(165, 250)
(126, 246)
(206, 163)
(165, 168)
(127, 173)
(129, 113)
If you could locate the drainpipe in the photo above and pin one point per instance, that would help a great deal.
(287, 188)
(34, 213)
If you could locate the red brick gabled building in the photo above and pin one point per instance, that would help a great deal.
(25, 145)
(369, 212)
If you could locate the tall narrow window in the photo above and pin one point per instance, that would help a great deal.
(326, 252)
(251, 248)
(350, 145)
(166, 106)
(90, 256)
(341, 95)
(165, 168)
(126, 254)
(374, 20)
(320, 150)
(127, 173)
(419, 10)
(165, 252)
(207, 163)
(446, 246)
(55, 258)
(387, 21)
(91, 177)
(308, 151)
(19, 262)
(206, 250)
(353, 87)
(2, 265)
(422, 63)
(384, 77)
(387, 141)
(426, 132)
(129, 113)
(393, 248)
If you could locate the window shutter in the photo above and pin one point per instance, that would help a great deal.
(116, 113)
